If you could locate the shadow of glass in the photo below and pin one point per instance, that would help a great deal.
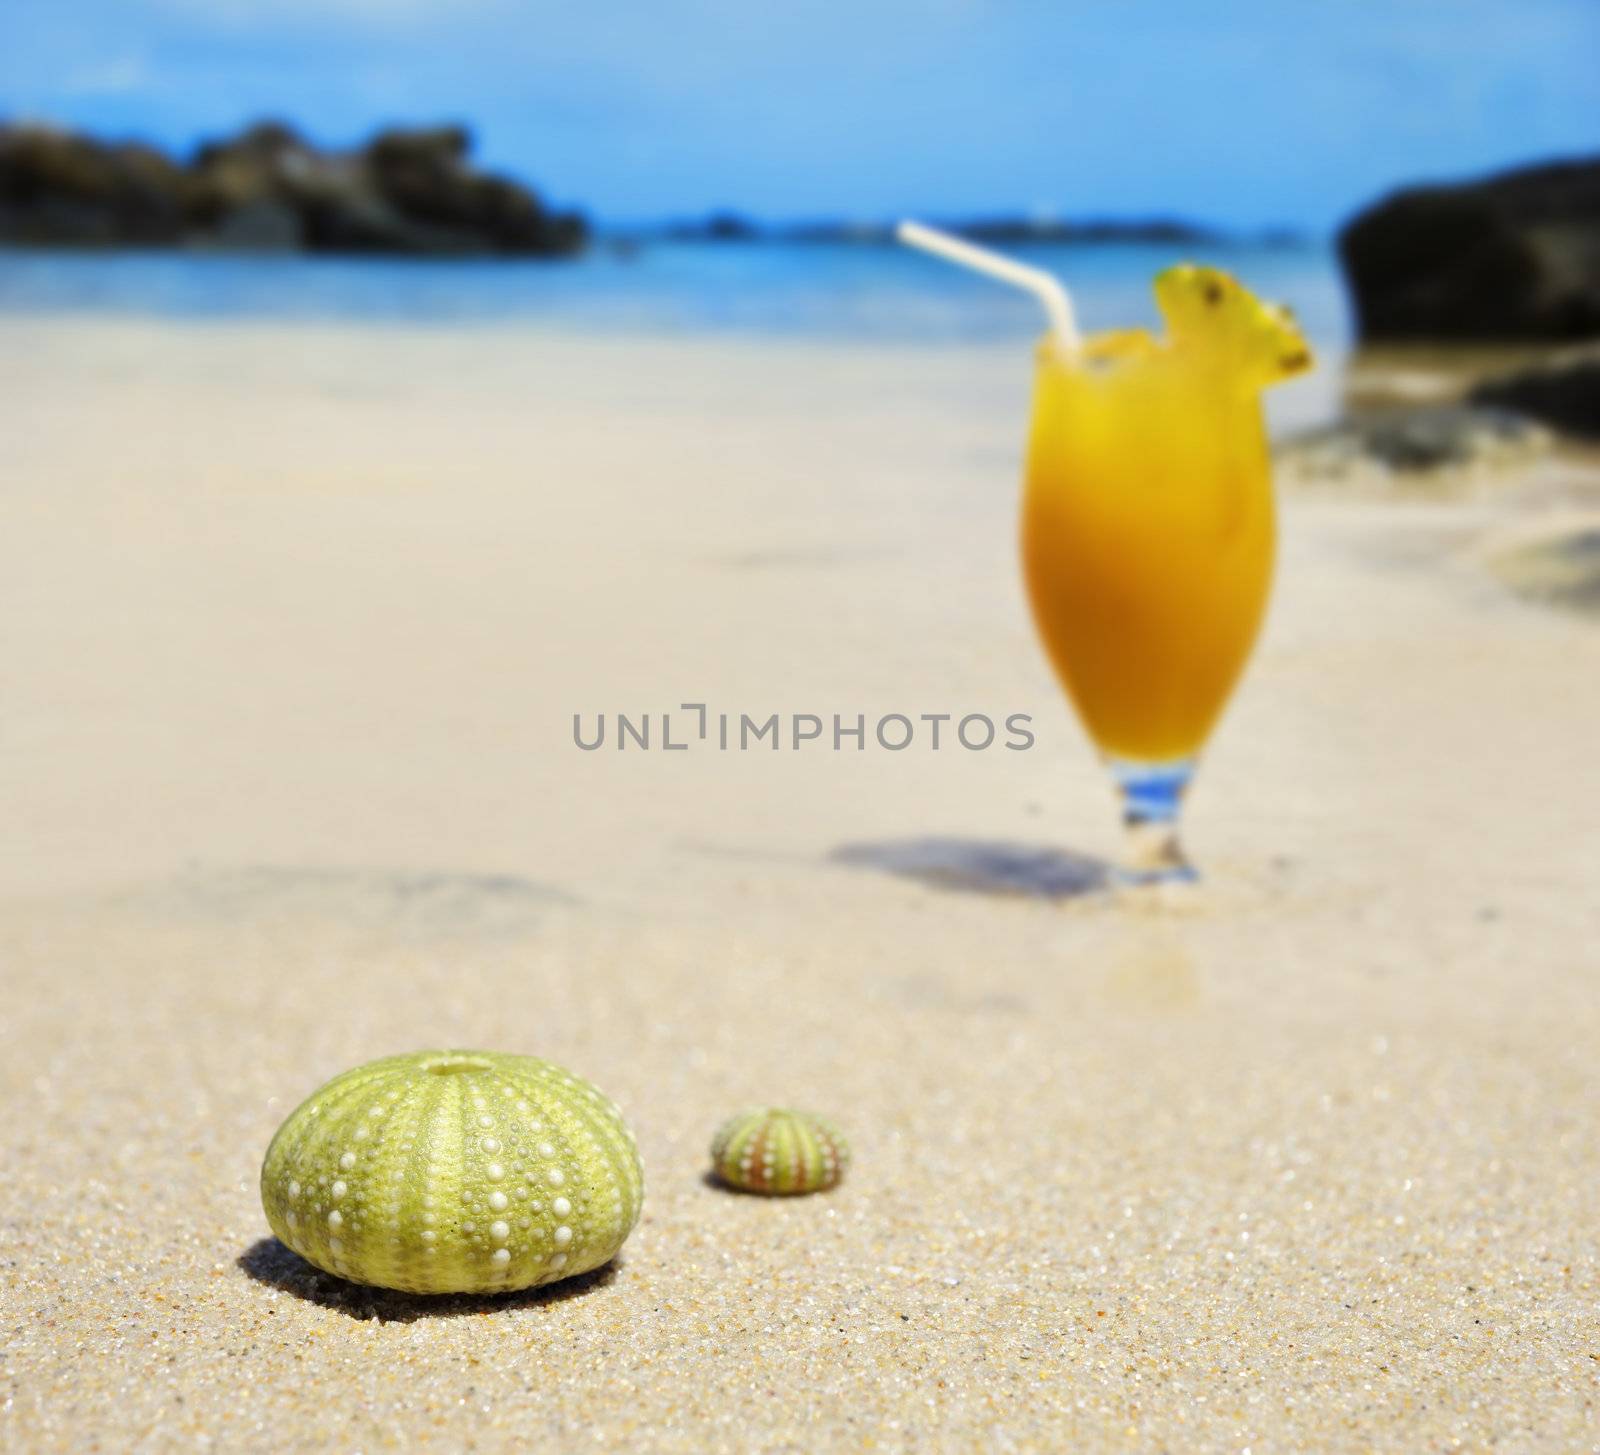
(269, 1261)
(978, 866)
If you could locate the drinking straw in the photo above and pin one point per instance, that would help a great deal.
(1044, 286)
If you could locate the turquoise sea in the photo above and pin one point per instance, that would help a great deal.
(834, 292)
(875, 291)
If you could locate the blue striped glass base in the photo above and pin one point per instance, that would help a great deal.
(1152, 798)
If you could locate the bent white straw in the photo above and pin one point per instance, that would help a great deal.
(1044, 286)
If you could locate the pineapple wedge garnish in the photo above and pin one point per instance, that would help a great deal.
(1210, 315)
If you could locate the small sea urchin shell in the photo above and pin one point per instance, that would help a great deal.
(776, 1151)
(454, 1172)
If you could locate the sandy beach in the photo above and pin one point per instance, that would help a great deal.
(297, 618)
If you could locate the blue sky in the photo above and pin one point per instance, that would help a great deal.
(1247, 113)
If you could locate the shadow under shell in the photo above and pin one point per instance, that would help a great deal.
(268, 1261)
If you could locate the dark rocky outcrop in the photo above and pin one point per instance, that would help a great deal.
(1563, 392)
(1010, 231)
(1516, 256)
(59, 188)
(1001, 231)
(1561, 570)
(720, 226)
(406, 191)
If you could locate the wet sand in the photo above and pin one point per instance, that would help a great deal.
(297, 620)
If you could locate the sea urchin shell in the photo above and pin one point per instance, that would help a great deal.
(776, 1151)
(454, 1172)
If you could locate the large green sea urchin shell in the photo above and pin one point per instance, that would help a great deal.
(454, 1172)
(776, 1151)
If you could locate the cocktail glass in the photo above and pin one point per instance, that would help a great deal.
(1148, 535)
(1147, 520)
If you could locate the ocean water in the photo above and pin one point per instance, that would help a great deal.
(862, 292)
(879, 292)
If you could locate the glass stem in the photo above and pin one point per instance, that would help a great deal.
(1152, 798)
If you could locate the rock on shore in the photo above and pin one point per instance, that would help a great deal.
(1516, 256)
(405, 191)
(1562, 391)
(1436, 448)
(1557, 565)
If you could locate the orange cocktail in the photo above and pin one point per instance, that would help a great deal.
(1147, 535)
(1147, 530)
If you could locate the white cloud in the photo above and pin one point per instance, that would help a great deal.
(119, 75)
